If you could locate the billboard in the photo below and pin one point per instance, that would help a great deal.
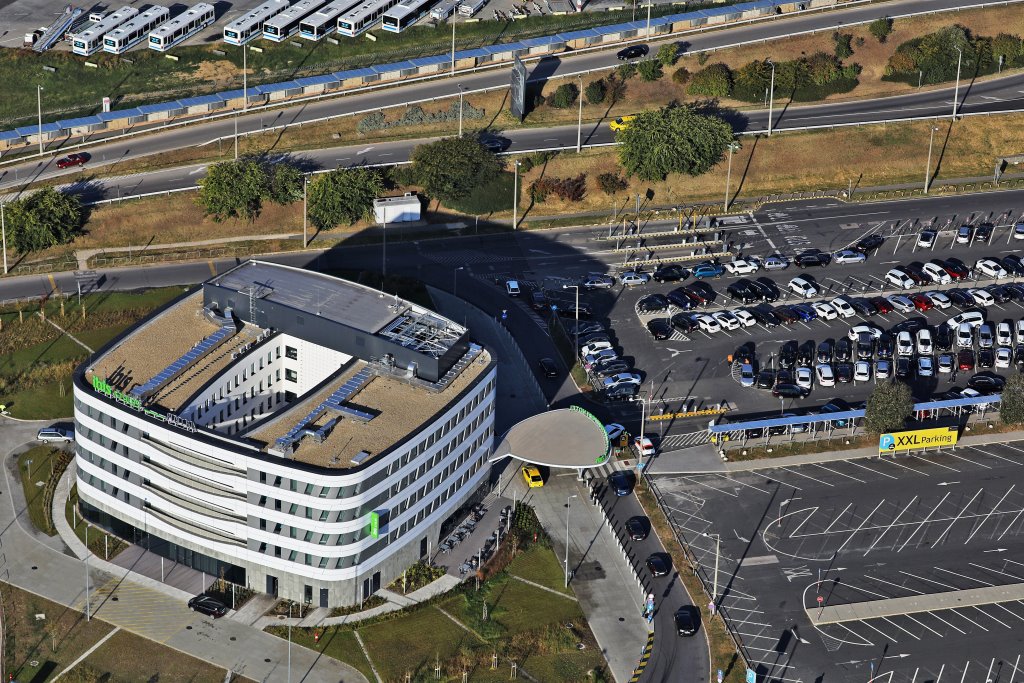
(517, 103)
(374, 524)
(917, 438)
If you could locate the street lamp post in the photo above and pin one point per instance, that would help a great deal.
(956, 89)
(718, 548)
(289, 642)
(461, 91)
(771, 98)
(245, 78)
(733, 146)
(649, 3)
(453, 45)
(39, 110)
(455, 280)
(305, 184)
(3, 232)
(928, 167)
(515, 195)
(577, 327)
(567, 539)
(579, 122)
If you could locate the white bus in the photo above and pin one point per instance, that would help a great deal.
(324, 20)
(127, 36)
(363, 16)
(287, 22)
(405, 14)
(91, 39)
(250, 25)
(443, 10)
(468, 8)
(182, 27)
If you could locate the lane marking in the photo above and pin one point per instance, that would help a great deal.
(959, 515)
(961, 632)
(891, 525)
(213, 269)
(857, 530)
(921, 623)
(994, 508)
(924, 521)
(53, 284)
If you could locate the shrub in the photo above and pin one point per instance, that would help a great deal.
(596, 91)
(668, 54)
(564, 96)
(681, 75)
(650, 70)
(711, 81)
(822, 68)
(844, 48)
(611, 183)
(702, 58)
(932, 58)
(880, 28)
(371, 122)
(568, 189)
(626, 71)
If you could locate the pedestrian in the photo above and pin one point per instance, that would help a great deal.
(728, 359)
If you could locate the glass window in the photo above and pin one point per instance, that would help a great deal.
(291, 376)
(291, 353)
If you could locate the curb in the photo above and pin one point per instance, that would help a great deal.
(644, 658)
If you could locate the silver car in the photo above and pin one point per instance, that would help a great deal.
(775, 263)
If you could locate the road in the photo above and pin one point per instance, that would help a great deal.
(865, 530)
(996, 96)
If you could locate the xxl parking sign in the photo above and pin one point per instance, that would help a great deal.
(917, 438)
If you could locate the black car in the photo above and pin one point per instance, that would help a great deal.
(783, 376)
(622, 482)
(983, 232)
(844, 350)
(863, 306)
(680, 299)
(869, 243)
(916, 272)
(911, 325)
(1018, 356)
(986, 358)
(844, 373)
(805, 355)
(755, 433)
(764, 315)
(670, 272)
(903, 367)
(986, 382)
(865, 346)
(765, 379)
(495, 143)
(622, 392)
(885, 346)
(789, 391)
(825, 351)
(703, 290)
(652, 303)
(548, 368)
(1014, 290)
(659, 564)
(582, 327)
(960, 297)
(743, 290)
(567, 309)
(204, 604)
(766, 289)
(633, 52)
(1013, 264)
(744, 353)
(943, 338)
(813, 258)
(999, 293)
(687, 620)
(684, 323)
(590, 338)
(787, 354)
(786, 314)
(638, 527)
(660, 328)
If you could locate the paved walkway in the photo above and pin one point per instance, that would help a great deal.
(933, 602)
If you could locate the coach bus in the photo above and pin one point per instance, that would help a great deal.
(405, 14)
(324, 20)
(91, 39)
(127, 36)
(182, 27)
(245, 28)
(363, 16)
(287, 22)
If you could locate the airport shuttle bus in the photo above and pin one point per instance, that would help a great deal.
(287, 22)
(245, 28)
(90, 40)
(127, 36)
(182, 27)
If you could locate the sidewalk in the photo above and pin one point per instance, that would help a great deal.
(933, 602)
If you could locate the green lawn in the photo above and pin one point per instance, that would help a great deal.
(34, 469)
(127, 658)
(413, 642)
(43, 402)
(100, 542)
(337, 642)
(540, 566)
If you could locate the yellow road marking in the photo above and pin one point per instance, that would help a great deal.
(53, 284)
(213, 269)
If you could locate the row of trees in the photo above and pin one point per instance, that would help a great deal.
(933, 58)
(808, 78)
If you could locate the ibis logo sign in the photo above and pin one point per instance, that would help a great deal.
(918, 438)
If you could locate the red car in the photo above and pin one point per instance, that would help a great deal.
(965, 359)
(882, 304)
(921, 302)
(73, 160)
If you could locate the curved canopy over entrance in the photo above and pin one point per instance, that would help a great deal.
(567, 437)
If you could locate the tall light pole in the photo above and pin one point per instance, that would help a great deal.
(718, 548)
(643, 424)
(733, 146)
(771, 98)
(39, 110)
(236, 135)
(956, 89)
(455, 280)
(567, 539)
(88, 610)
(305, 183)
(3, 232)
(453, 45)
(289, 641)
(460, 109)
(577, 328)
(579, 120)
(928, 168)
(515, 195)
(245, 78)
(649, 3)
(384, 250)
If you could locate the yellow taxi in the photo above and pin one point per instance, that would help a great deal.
(621, 123)
(532, 476)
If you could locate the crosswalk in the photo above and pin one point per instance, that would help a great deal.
(675, 442)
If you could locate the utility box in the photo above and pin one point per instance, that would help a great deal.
(397, 209)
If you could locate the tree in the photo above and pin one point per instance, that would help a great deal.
(43, 219)
(681, 75)
(451, 168)
(714, 80)
(626, 71)
(564, 96)
(880, 28)
(1011, 404)
(596, 91)
(844, 47)
(233, 189)
(672, 140)
(889, 406)
(650, 70)
(344, 195)
(668, 54)
(284, 184)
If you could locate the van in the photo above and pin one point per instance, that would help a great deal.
(55, 433)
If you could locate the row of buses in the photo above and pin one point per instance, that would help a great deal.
(126, 27)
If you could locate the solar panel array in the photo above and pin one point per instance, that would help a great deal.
(190, 357)
(333, 402)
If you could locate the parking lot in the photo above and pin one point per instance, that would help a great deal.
(858, 531)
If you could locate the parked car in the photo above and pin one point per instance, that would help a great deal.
(704, 271)
(742, 266)
(849, 256)
(964, 234)
(204, 604)
(899, 279)
(803, 287)
(670, 272)
(598, 281)
(56, 433)
(779, 262)
(632, 52)
(926, 240)
(869, 243)
(789, 391)
(660, 328)
(652, 303)
(632, 278)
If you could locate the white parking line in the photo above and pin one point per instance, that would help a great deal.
(873, 628)
(992, 617)
(996, 571)
(926, 580)
(967, 618)
(891, 524)
(862, 524)
(741, 483)
(806, 476)
(806, 519)
(893, 462)
(865, 467)
(933, 614)
(717, 490)
(932, 462)
(1011, 524)
(921, 623)
(865, 590)
(973, 462)
(841, 474)
(994, 508)
(894, 585)
(924, 521)
(963, 576)
(837, 518)
(887, 619)
(993, 455)
(959, 515)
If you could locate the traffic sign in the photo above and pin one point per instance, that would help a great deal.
(751, 676)
(820, 600)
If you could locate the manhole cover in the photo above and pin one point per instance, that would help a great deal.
(622, 618)
(267, 661)
(34, 663)
(114, 598)
(188, 628)
(232, 638)
(34, 567)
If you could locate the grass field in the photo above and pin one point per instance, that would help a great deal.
(127, 658)
(34, 468)
(540, 566)
(98, 541)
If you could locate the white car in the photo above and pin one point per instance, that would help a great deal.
(924, 342)
(945, 364)
(621, 378)
(925, 366)
(825, 376)
(1004, 334)
(824, 310)
(512, 287)
(901, 303)
(986, 336)
(804, 377)
(746, 375)
(643, 446)
(1018, 231)
(904, 344)
(843, 307)
(965, 336)
(862, 371)
(48, 434)
(973, 318)
(849, 256)
(1004, 356)
(897, 278)
(744, 317)
(1019, 332)
(964, 234)
(936, 274)
(632, 278)
(939, 300)
(926, 240)
(741, 267)
(708, 324)
(883, 368)
(981, 297)
(989, 268)
(726, 320)
(803, 287)
(857, 330)
(594, 347)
